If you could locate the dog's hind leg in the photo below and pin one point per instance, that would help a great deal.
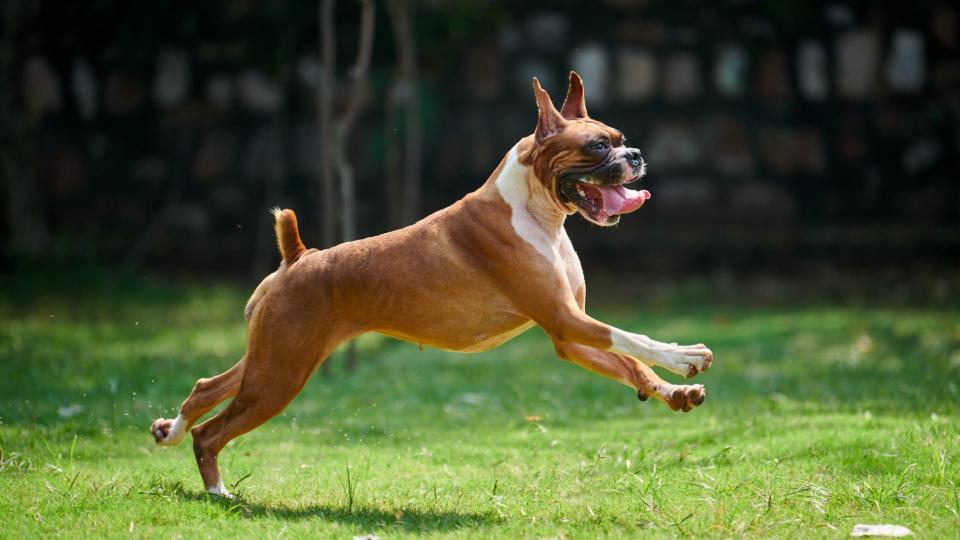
(274, 374)
(206, 394)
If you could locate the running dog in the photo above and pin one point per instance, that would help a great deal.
(466, 278)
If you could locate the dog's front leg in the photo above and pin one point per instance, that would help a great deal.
(569, 324)
(634, 374)
(685, 360)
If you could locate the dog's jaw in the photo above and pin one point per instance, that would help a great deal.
(600, 193)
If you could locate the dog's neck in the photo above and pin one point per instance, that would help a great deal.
(518, 186)
(536, 215)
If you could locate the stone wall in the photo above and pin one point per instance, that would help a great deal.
(773, 131)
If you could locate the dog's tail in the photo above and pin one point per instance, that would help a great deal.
(288, 236)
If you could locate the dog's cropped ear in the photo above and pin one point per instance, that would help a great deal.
(575, 106)
(549, 120)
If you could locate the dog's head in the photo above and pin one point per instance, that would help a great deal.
(584, 164)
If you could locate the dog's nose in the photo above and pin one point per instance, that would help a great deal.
(633, 157)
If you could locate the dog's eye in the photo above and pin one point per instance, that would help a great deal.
(599, 146)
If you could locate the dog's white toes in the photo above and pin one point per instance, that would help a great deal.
(168, 432)
(219, 490)
(697, 360)
(686, 360)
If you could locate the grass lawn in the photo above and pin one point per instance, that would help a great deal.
(821, 413)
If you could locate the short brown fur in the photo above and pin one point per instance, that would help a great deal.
(461, 279)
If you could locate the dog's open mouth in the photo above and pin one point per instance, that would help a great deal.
(603, 203)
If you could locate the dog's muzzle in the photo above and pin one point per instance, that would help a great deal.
(600, 193)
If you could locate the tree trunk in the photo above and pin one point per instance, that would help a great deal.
(328, 88)
(334, 136)
(407, 97)
(348, 218)
(393, 162)
(348, 222)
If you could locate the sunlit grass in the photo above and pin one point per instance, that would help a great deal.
(818, 417)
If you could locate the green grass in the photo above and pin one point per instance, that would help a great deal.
(819, 416)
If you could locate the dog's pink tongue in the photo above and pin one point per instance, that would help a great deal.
(620, 200)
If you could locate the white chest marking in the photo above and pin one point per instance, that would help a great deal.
(512, 185)
(571, 263)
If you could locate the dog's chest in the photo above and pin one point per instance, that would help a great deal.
(552, 244)
(571, 263)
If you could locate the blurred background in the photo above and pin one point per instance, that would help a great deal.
(804, 164)
(791, 138)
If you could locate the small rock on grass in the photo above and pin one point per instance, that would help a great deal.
(880, 530)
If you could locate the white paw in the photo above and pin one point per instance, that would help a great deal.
(687, 360)
(220, 490)
(168, 432)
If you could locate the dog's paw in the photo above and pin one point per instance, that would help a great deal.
(220, 490)
(683, 397)
(168, 432)
(687, 360)
(697, 357)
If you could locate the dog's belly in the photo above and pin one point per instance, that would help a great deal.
(486, 342)
(472, 334)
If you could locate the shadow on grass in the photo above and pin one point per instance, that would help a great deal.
(364, 518)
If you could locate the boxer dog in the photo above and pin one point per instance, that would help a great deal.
(467, 278)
